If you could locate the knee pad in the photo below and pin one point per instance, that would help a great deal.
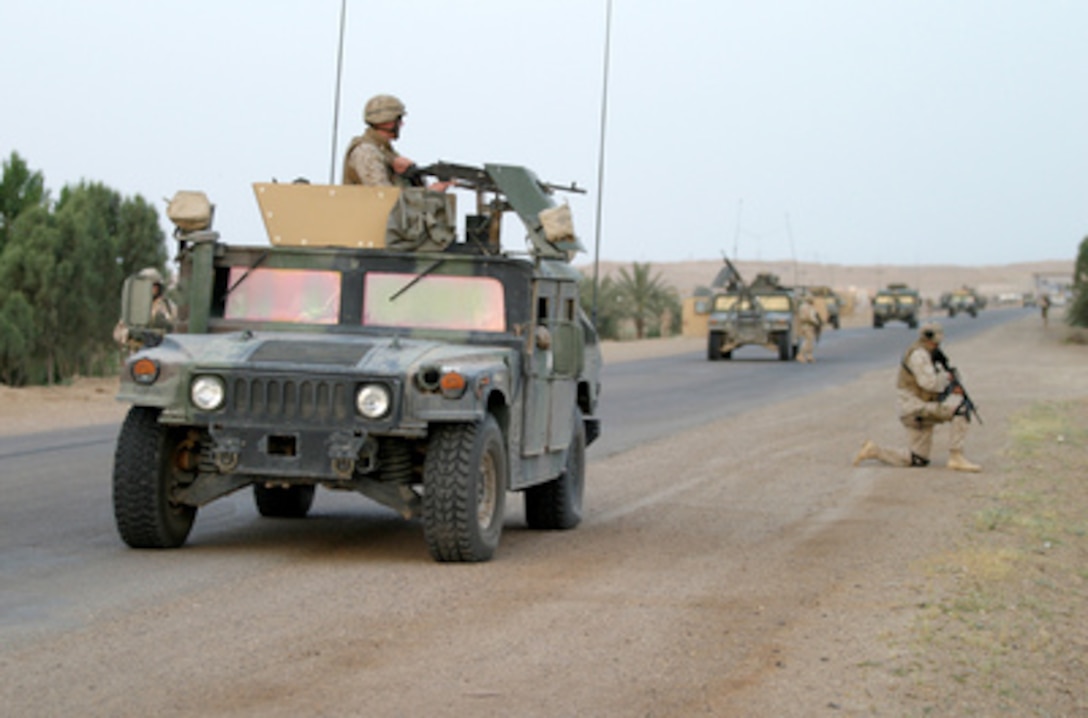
(916, 460)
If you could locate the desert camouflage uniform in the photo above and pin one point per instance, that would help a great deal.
(369, 160)
(810, 322)
(918, 389)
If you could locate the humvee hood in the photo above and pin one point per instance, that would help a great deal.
(371, 354)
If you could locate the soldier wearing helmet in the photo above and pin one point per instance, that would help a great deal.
(809, 324)
(925, 401)
(370, 158)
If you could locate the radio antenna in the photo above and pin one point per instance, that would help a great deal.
(600, 159)
(336, 92)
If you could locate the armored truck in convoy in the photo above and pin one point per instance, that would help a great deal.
(763, 313)
(897, 302)
(370, 348)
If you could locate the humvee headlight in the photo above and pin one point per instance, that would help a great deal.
(207, 392)
(373, 401)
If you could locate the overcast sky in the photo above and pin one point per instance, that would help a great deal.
(840, 131)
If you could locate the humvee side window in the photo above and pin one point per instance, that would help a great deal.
(303, 296)
(542, 312)
(434, 302)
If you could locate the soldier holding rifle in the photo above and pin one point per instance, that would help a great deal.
(929, 393)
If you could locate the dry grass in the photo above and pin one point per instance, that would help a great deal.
(1007, 636)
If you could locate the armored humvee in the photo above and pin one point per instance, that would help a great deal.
(367, 349)
(763, 313)
(964, 301)
(897, 302)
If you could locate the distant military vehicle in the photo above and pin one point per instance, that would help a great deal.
(827, 303)
(367, 349)
(965, 301)
(897, 302)
(763, 313)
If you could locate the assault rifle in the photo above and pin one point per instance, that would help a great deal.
(955, 386)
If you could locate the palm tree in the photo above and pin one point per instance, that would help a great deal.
(644, 298)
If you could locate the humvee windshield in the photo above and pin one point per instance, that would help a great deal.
(304, 296)
(770, 303)
(433, 302)
(775, 303)
(390, 299)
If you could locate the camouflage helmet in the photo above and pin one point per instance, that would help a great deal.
(150, 273)
(381, 109)
(931, 331)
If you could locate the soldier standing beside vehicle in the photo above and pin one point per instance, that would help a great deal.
(924, 403)
(1044, 307)
(370, 158)
(810, 324)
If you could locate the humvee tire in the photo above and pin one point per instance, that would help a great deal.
(144, 476)
(785, 347)
(714, 346)
(284, 502)
(465, 478)
(557, 504)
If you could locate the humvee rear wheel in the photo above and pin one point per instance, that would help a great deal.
(465, 477)
(284, 502)
(714, 346)
(557, 504)
(146, 473)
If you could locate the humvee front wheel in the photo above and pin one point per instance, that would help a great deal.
(557, 504)
(146, 473)
(714, 346)
(284, 502)
(465, 477)
(785, 346)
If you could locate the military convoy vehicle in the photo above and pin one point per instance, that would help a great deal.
(962, 301)
(897, 302)
(369, 349)
(762, 313)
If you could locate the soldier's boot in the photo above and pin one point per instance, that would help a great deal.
(869, 450)
(958, 462)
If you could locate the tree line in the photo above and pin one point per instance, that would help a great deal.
(62, 265)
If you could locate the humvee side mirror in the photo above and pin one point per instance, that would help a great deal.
(568, 349)
(136, 297)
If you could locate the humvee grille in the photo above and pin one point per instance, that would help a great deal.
(278, 398)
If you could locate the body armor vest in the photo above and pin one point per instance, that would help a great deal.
(908, 381)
